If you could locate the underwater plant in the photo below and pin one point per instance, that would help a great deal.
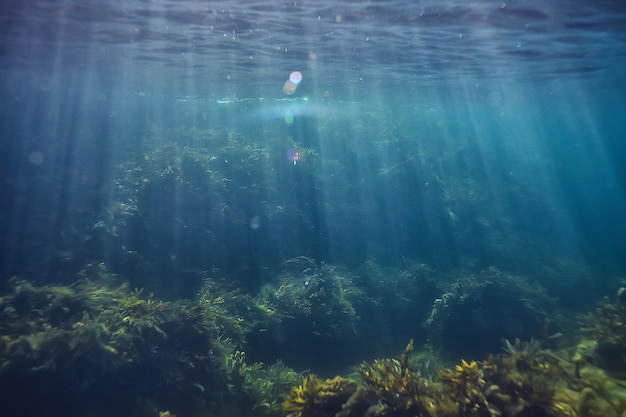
(310, 309)
(78, 344)
(477, 311)
(526, 380)
(257, 388)
(213, 192)
(318, 397)
(604, 335)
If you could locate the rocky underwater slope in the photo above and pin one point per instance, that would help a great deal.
(98, 348)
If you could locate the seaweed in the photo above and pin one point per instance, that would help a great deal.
(89, 340)
(478, 310)
(310, 310)
(257, 388)
(604, 333)
(318, 397)
(76, 346)
(83, 343)
(526, 380)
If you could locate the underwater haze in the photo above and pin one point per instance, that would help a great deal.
(314, 182)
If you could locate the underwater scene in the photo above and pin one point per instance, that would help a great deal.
(330, 208)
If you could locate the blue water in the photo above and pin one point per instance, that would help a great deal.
(396, 97)
(164, 140)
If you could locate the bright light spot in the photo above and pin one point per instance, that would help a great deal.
(295, 77)
(289, 118)
(291, 84)
(293, 156)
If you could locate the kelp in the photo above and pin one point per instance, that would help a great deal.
(525, 380)
(90, 339)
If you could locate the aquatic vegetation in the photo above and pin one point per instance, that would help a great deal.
(312, 303)
(257, 388)
(387, 387)
(89, 339)
(399, 390)
(604, 332)
(403, 293)
(230, 311)
(526, 380)
(318, 397)
(209, 190)
(94, 337)
(523, 379)
(477, 311)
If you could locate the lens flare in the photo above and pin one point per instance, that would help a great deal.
(293, 156)
(295, 77)
(291, 84)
